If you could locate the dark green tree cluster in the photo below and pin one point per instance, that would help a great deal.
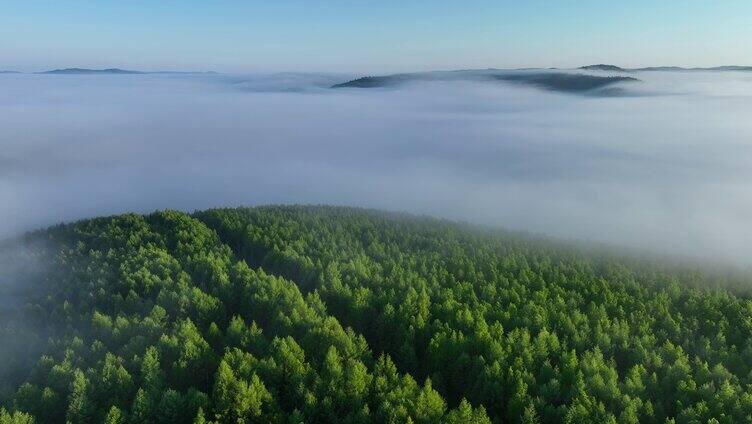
(323, 314)
(153, 320)
(533, 331)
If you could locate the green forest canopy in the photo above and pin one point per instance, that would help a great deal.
(325, 314)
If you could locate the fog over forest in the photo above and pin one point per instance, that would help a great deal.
(665, 165)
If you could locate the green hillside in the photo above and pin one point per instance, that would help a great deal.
(326, 314)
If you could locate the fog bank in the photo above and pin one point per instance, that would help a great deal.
(668, 167)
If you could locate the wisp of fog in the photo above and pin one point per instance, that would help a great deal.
(667, 167)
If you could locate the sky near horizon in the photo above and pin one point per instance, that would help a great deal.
(373, 36)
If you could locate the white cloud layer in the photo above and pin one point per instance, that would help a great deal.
(669, 169)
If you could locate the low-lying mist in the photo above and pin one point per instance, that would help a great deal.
(668, 168)
(23, 266)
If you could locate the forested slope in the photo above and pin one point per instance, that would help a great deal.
(324, 314)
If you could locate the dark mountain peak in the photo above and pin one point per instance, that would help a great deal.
(376, 81)
(603, 67)
(566, 82)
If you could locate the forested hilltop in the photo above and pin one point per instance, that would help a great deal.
(326, 314)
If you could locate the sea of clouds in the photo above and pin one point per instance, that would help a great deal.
(667, 166)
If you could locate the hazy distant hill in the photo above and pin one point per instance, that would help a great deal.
(678, 68)
(730, 68)
(183, 72)
(614, 68)
(84, 71)
(116, 71)
(553, 81)
(9, 72)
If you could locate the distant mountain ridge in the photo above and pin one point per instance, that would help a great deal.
(84, 71)
(614, 68)
(115, 71)
(679, 68)
(375, 79)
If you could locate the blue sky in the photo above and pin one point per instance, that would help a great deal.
(370, 36)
